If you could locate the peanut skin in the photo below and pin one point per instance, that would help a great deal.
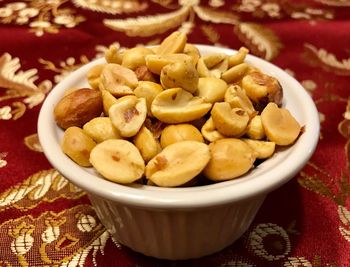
(78, 108)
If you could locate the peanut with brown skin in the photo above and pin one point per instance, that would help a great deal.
(78, 107)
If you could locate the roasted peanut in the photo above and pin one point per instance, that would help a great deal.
(262, 89)
(237, 98)
(101, 129)
(178, 163)
(180, 74)
(77, 145)
(118, 160)
(180, 132)
(114, 55)
(192, 51)
(211, 89)
(174, 43)
(178, 106)
(107, 100)
(135, 57)
(128, 115)
(78, 107)
(235, 73)
(147, 144)
(226, 165)
(93, 75)
(155, 63)
(255, 129)
(280, 126)
(229, 122)
(118, 80)
(263, 149)
(148, 90)
(209, 131)
(238, 58)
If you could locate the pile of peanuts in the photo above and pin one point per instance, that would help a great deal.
(166, 115)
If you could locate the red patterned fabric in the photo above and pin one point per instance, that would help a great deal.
(46, 221)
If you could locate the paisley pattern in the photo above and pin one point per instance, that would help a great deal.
(47, 221)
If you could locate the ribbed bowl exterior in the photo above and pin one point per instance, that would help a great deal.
(177, 234)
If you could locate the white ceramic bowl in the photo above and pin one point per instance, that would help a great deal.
(183, 223)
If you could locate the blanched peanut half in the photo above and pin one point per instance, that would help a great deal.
(255, 129)
(237, 98)
(93, 75)
(192, 51)
(178, 163)
(118, 80)
(114, 55)
(147, 144)
(212, 65)
(128, 115)
(262, 88)
(279, 124)
(263, 149)
(148, 90)
(108, 100)
(230, 158)
(238, 58)
(235, 73)
(118, 160)
(229, 122)
(77, 145)
(180, 132)
(101, 129)
(180, 74)
(209, 132)
(135, 57)
(177, 106)
(174, 43)
(211, 89)
(155, 63)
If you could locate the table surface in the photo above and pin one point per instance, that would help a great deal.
(43, 218)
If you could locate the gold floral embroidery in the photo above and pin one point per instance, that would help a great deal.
(280, 9)
(41, 16)
(52, 239)
(216, 3)
(339, 193)
(149, 25)
(183, 17)
(214, 16)
(212, 35)
(327, 61)
(65, 67)
(260, 40)
(112, 6)
(344, 3)
(19, 84)
(5, 113)
(32, 142)
(3, 162)
(44, 186)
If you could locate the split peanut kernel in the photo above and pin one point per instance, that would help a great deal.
(77, 145)
(211, 89)
(229, 158)
(177, 106)
(180, 132)
(147, 144)
(128, 115)
(279, 125)
(101, 129)
(174, 43)
(178, 163)
(228, 121)
(118, 80)
(118, 160)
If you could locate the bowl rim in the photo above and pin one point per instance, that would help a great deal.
(189, 197)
